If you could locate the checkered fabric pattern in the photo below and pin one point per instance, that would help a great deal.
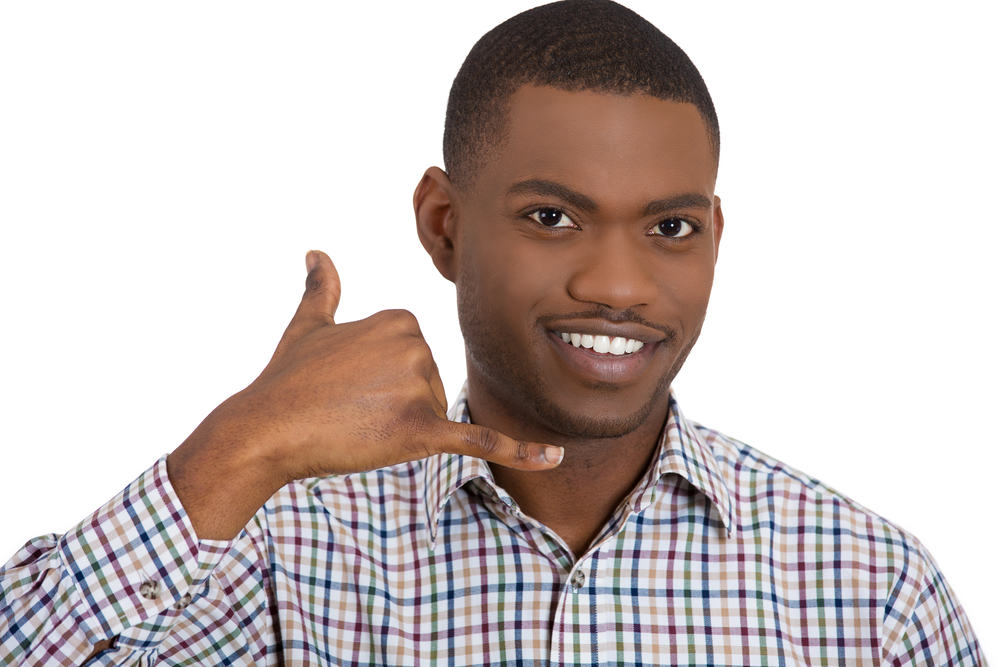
(720, 556)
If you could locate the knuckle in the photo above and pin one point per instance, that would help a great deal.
(313, 284)
(402, 320)
(417, 431)
(415, 356)
(318, 291)
(486, 441)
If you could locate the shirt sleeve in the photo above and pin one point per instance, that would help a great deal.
(937, 633)
(135, 571)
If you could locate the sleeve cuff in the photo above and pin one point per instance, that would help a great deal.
(137, 558)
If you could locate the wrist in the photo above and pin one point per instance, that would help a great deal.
(223, 473)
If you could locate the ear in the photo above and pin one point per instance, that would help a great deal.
(434, 203)
(718, 222)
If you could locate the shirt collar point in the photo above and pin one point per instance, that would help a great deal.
(685, 452)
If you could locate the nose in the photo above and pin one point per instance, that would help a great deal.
(613, 271)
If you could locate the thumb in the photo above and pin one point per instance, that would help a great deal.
(495, 447)
(322, 295)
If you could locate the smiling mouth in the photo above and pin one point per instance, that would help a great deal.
(602, 344)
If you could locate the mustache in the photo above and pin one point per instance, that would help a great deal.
(615, 316)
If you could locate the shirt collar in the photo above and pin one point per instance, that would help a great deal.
(682, 451)
(446, 473)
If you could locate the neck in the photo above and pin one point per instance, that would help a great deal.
(577, 499)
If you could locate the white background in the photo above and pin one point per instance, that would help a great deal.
(163, 170)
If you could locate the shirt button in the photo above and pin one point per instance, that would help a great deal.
(183, 602)
(150, 589)
(578, 580)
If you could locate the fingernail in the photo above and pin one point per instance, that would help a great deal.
(312, 259)
(554, 455)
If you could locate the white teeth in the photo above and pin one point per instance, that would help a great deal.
(618, 345)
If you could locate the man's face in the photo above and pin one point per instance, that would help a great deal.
(598, 218)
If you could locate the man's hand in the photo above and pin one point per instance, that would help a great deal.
(335, 398)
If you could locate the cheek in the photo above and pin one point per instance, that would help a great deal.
(510, 277)
(686, 285)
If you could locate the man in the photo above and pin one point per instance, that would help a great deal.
(579, 223)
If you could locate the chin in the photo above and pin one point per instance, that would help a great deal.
(592, 424)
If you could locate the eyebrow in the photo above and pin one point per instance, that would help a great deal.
(585, 203)
(553, 189)
(686, 200)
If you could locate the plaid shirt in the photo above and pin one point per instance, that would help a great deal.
(720, 556)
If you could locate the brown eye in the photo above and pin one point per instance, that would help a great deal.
(551, 217)
(673, 228)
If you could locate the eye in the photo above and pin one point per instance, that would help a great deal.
(551, 217)
(673, 228)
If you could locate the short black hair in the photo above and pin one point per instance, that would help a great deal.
(573, 45)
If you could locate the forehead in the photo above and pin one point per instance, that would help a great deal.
(621, 147)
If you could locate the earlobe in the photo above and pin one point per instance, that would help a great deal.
(434, 208)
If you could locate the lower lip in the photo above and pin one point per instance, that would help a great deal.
(612, 368)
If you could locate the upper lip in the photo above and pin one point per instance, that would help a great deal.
(597, 327)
